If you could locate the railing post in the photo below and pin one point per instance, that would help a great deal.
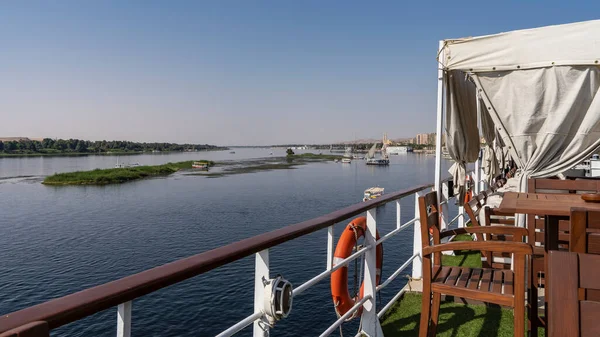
(124, 319)
(398, 217)
(461, 219)
(445, 197)
(329, 247)
(417, 271)
(369, 319)
(261, 273)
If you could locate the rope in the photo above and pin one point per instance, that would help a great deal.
(410, 279)
(335, 305)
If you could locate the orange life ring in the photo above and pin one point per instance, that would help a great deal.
(339, 278)
(468, 196)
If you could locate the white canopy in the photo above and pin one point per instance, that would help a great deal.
(570, 44)
(539, 87)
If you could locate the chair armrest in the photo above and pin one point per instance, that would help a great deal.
(494, 246)
(505, 230)
(495, 212)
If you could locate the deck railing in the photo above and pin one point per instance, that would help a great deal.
(38, 320)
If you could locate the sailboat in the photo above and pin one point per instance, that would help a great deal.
(371, 160)
(347, 156)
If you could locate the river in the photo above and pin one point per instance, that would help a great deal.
(58, 240)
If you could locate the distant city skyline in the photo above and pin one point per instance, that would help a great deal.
(237, 73)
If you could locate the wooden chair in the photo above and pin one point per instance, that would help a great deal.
(584, 231)
(572, 313)
(473, 210)
(503, 287)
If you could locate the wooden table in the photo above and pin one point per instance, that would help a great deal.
(546, 204)
(554, 207)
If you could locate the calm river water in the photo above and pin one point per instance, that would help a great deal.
(58, 240)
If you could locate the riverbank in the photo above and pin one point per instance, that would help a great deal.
(118, 175)
(82, 154)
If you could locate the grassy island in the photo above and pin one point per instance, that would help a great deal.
(225, 168)
(118, 175)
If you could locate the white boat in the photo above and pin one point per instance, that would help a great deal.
(347, 156)
(372, 193)
(371, 160)
(398, 149)
(200, 165)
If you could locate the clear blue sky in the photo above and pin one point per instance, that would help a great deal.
(238, 72)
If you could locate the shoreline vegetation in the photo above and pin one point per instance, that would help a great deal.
(24, 147)
(225, 168)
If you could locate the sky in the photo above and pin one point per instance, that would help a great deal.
(238, 72)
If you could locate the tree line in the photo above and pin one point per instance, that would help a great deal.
(48, 145)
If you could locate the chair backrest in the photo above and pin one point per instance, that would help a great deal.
(585, 231)
(569, 313)
(473, 208)
(430, 225)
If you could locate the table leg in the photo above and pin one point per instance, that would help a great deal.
(551, 243)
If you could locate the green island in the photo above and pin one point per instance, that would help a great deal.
(118, 175)
(225, 168)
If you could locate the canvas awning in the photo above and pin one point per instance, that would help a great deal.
(539, 87)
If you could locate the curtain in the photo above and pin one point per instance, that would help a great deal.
(549, 118)
(462, 135)
(489, 161)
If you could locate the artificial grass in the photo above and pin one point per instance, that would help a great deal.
(455, 319)
(464, 258)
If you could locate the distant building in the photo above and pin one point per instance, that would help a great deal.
(422, 139)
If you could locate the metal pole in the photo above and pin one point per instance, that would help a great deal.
(438, 129)
(124, 319)
(261, 273)
(329, 247)
(398, 215)
(417, 271)
(478, 166)
(369, 319)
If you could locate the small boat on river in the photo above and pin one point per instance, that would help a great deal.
(372, 193)
(200, 165)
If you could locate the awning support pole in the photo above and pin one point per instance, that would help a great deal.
(438, 130)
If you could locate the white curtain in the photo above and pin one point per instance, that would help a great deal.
(549, 118)
(489, 161)
(462, 137)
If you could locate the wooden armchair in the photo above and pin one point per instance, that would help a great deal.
(571, 310)
(473, 210)
(503, 287)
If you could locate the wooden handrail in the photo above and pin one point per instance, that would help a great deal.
(67, 309)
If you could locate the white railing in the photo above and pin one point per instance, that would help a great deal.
(370, 317)
(122, 292)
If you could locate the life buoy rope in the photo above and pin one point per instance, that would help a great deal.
(342, 300)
